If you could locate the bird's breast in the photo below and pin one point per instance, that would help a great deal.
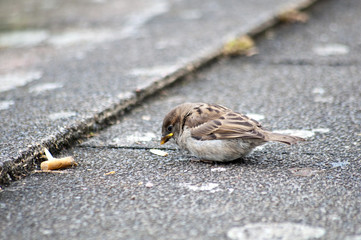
(215, 150)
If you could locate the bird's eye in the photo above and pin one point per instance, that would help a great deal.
(170, 128)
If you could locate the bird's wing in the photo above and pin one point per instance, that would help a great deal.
(210, 122)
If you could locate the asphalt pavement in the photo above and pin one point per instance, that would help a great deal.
(305, 80)
(69, 68)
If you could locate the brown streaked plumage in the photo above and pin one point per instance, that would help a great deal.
(214, 132)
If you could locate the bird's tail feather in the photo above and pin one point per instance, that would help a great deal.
(278, 137)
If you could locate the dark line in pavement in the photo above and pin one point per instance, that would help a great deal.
(175, 149)
(124, 147)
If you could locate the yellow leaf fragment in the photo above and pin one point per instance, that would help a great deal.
(292, 16)
(110, 173)
(240, 46)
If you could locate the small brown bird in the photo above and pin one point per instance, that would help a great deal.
(216, 133)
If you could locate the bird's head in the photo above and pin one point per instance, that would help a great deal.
(173, 121)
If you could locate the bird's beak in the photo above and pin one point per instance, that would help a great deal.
(166, 138)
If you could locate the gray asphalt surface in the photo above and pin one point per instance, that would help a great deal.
(306, 77)
(66, 66)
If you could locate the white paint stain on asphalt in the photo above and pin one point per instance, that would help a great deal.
(259, 148)
(25, 38)
(44, 87)
(318, 90)
(61, 115)
(331, 49)
(137, 20)
(321, 130)
(131, 28)
(218, 169)
(302, 133)
(353, 237)
(211, 187)
(339, 164)
(323, 99)
(166, 43)
(296, 132)
(81, 35)
(255, 116)
(320, 97)
(141, 137)
(156, 71)
(280, 231)
(146, 117)
(125, 95)
(6, 104)
(12, 80)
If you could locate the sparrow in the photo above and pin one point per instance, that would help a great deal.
(213, 132)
